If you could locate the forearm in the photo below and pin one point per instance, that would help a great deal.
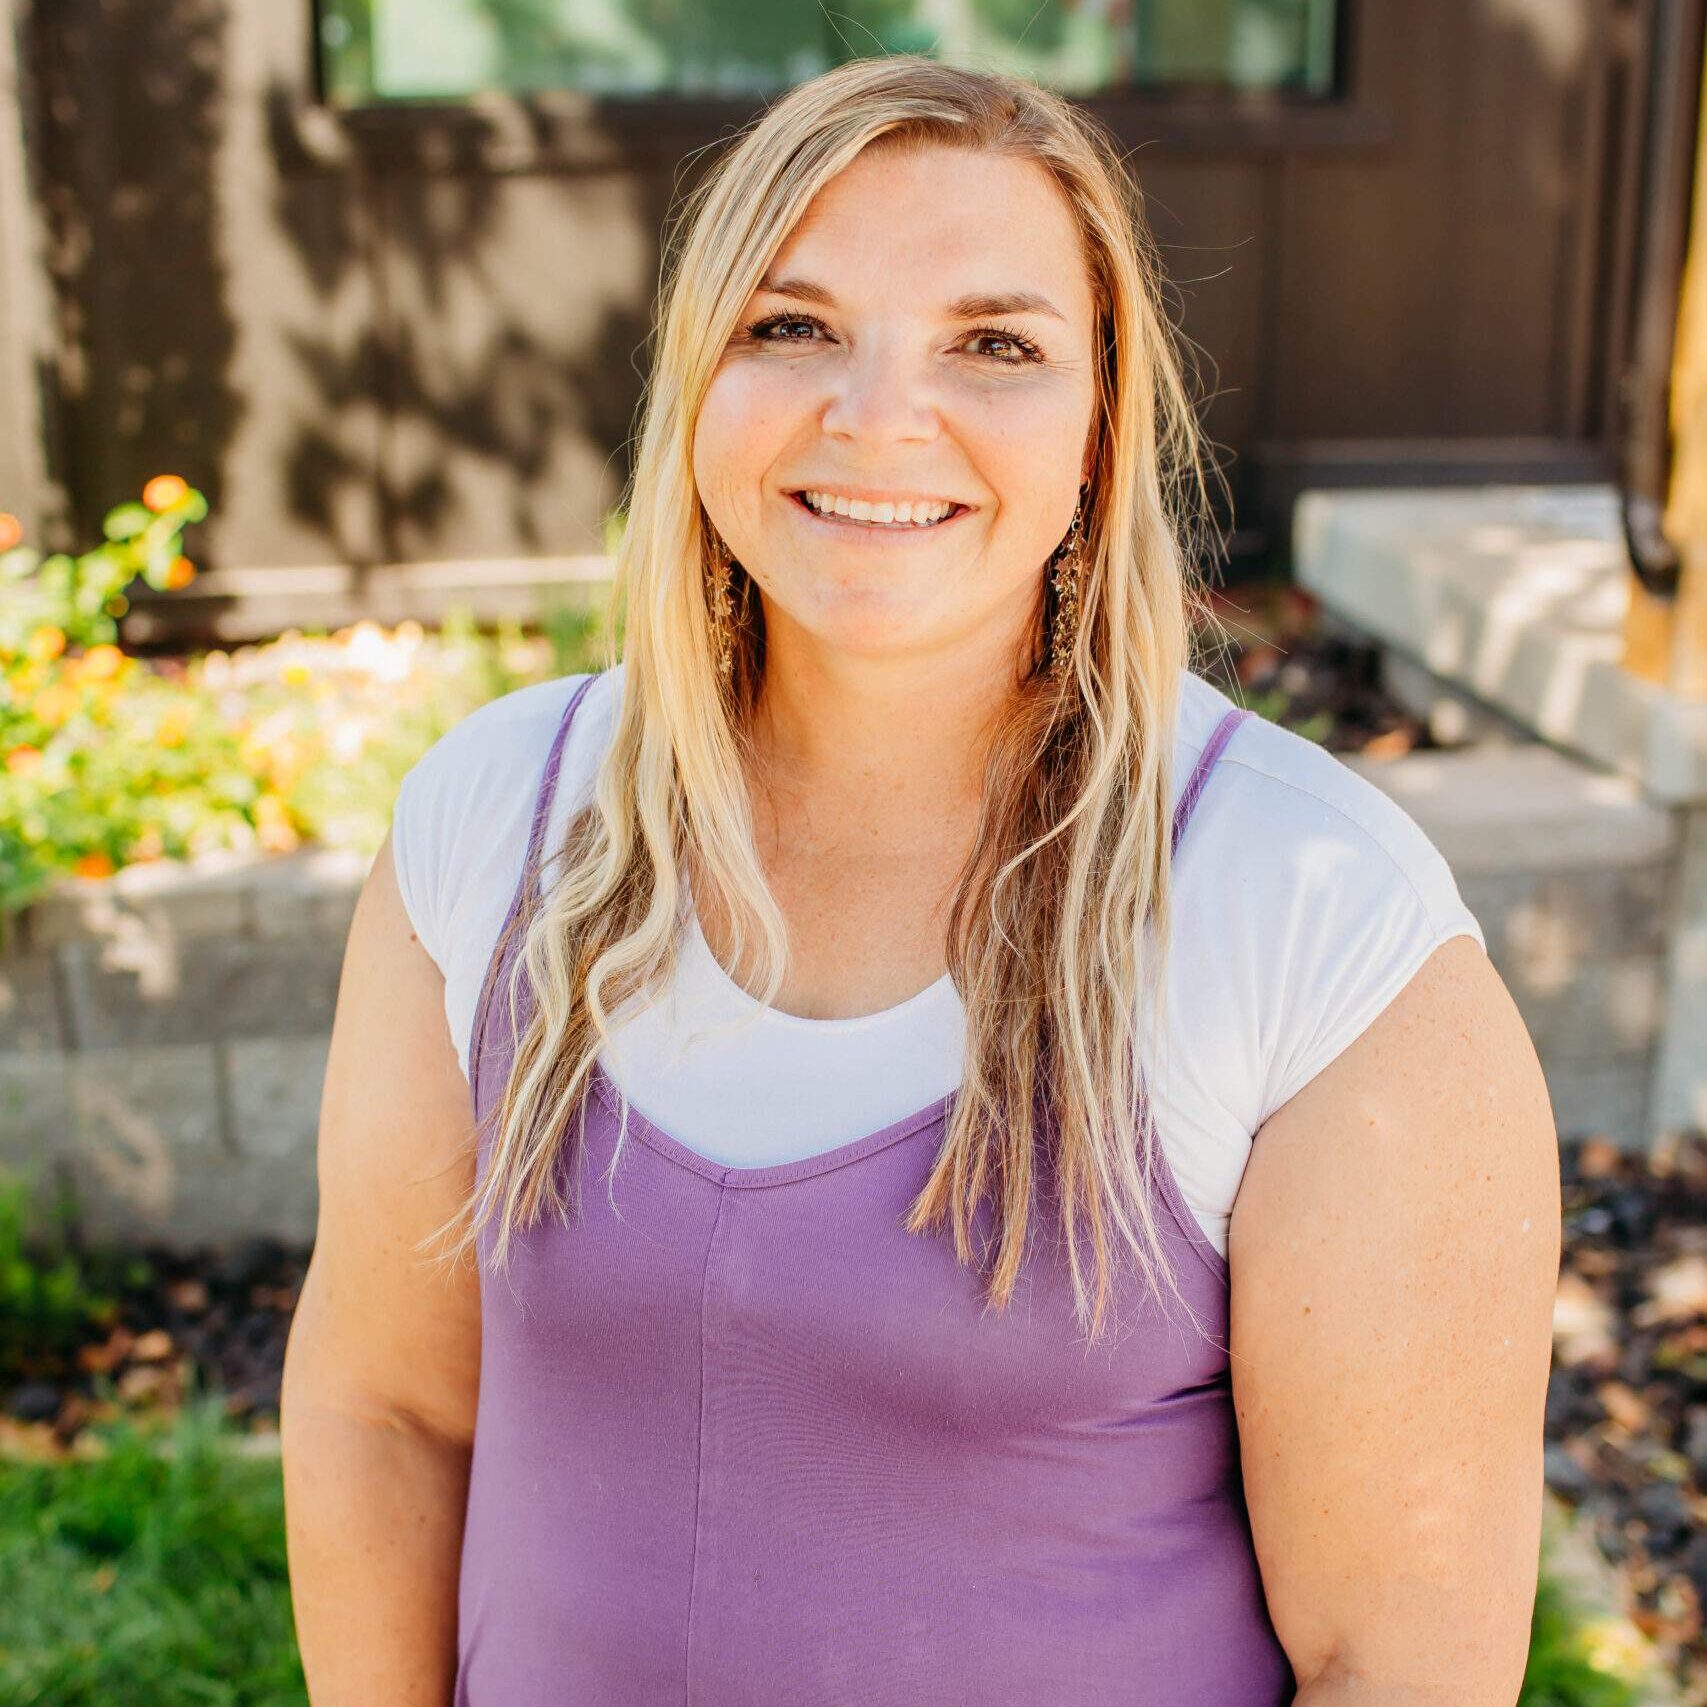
(374, 1514)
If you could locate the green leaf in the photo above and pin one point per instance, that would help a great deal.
(126, 522)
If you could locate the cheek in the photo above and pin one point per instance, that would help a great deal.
(747, 418)
(716, 437)
(1027, 434)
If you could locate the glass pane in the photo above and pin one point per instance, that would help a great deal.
(1244, 44)
(445, 49)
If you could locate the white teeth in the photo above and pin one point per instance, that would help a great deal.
(878, 515)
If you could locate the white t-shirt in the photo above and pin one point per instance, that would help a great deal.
(1304, 899)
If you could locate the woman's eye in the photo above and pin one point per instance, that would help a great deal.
(1018, 349)
(766, 331)
(802, 328)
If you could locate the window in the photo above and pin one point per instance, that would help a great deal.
(400, 50)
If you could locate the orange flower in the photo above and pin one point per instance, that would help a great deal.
(11, 530)
(46, 643)
(181, 573)
(163, 491)
(95, 864)
(102, 662)
(54, 704)
(24, 761)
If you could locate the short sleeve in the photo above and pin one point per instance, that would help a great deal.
(414, 856)
(1368, 906)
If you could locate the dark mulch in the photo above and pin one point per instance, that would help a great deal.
(1627, 1405)
(1278, 656)
(168, 1323)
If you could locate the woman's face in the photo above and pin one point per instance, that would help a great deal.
(924, 337)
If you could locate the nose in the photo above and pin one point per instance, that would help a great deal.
(880, 397)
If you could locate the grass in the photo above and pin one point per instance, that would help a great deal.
(152, 1574)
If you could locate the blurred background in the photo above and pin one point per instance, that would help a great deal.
(323, 328)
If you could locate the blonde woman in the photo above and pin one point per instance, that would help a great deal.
(892, 1145)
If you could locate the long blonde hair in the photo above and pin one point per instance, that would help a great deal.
(1047, 941)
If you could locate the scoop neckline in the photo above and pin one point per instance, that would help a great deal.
(655, 1137)
(925, 1119)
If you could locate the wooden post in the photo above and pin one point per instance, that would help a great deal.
(25, 305)
(1669, 637)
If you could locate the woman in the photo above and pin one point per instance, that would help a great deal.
(860, 1084)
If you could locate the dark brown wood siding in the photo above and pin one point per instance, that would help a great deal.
(399, 335)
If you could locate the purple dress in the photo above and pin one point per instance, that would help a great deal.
(743, 1439)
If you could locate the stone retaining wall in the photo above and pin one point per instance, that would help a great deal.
(163, 1033)
(163, 1041)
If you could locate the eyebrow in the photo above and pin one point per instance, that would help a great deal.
(978, 306)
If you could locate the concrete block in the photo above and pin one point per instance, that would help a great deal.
(35, 1110)
(1606, 1013)
(1546, 928)
(1452, 719)
(157, 898)
(149, 1160)
(242, 1200)
(275, 1090)
(1515, 596)
(147, 1130)
(126, 994)
(1524, 808)
(311, 892)
(30, 1016)
(1680, 1067)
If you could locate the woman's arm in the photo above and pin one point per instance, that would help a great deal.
(1394, 1250)
(382, 1367)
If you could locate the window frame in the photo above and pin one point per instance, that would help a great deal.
(568, 130)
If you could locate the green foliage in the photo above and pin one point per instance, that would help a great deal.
(1276, 705)
(153, 1574)
(82, 597)
(106, 762)
(1565, 1667)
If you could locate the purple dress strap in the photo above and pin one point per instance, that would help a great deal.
(548, 781)
(536, 837)
(1221, 735)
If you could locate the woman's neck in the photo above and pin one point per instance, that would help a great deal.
(892, 737)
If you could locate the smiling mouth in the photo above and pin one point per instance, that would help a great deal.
(832, 519)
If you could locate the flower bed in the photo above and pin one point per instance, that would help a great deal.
(109, 760)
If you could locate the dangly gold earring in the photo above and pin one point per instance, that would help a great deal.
(1068, 571)
(721, 599)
